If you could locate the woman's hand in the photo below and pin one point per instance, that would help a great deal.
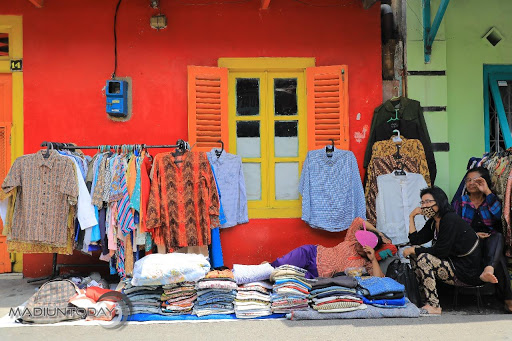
(373, 228)
(409, 251)
(370, 252)
(415, 212)
(481, 184)
(483, 235)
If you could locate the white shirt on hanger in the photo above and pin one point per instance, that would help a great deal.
(398, 196)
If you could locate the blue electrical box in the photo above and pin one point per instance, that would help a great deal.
(117, 98)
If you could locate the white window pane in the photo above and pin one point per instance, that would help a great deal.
(252, 175)
(286, 141)
(287, 180)
(248, 142)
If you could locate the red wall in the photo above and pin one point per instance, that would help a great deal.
(68, 55)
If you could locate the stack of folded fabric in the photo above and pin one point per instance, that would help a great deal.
(215, 293)
(290, 290)
(335, 295)
(145, 299)
(383, 292)
(179, 298)
(253, 300)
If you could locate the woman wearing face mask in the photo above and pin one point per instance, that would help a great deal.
(455, 252)
(482, 210)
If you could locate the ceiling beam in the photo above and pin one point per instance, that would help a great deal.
(265, 4)
(37, 3)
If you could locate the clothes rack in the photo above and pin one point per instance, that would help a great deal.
(180, 144)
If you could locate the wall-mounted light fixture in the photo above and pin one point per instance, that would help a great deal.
(158, 21)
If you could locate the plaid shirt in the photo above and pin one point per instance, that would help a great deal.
(490, 210)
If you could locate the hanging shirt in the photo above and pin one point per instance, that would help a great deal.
(398, 196)
(381, 166)
(145, 186)
(230, 179)
(331, 188)
(183, 202)
(408, 147)
(85, 210)
(410, 114)
(48, 186)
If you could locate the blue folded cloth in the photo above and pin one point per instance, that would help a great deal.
(393, 303)
(380, 285)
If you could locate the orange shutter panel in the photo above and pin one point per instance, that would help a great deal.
(207, 107)
(327, 94)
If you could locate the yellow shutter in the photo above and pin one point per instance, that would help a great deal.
(207, 107)
(327, 93)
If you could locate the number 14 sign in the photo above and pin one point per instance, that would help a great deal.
(16, 65)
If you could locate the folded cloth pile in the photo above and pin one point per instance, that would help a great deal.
(290, 290)
(253, 300)
(215, 294)
(179, 298)
(383, 292)
(145, 299)
(252, 273)
(335, 295)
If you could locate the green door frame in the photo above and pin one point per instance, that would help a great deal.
(493, 74)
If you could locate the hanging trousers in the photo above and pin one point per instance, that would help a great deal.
(428, 268)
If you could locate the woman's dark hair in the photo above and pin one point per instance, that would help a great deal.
(440, 197)
(484, 173)
(379, 240)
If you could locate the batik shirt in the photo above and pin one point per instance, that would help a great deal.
(48, 187)
(183, 203)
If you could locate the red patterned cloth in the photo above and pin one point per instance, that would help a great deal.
(183, 203)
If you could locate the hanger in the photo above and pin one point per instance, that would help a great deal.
(48, 146)
(396, 138)
(400, 171)
(329, 149)
(219, 152)
(180, 150)
(397, 97)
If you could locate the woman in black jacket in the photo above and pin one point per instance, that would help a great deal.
(455, 253)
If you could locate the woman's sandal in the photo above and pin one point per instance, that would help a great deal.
(425, 313)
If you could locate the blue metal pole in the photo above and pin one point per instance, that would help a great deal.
(437, 21)
(487, 116)
(502, 116)
(426, 30)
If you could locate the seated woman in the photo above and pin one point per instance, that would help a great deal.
(455, 252)
(322, 261)
(482, 210)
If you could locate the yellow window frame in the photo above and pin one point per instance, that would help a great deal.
(13, 25)
(266, 69)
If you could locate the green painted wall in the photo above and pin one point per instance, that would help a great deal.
(431, 91)
(461, 51)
